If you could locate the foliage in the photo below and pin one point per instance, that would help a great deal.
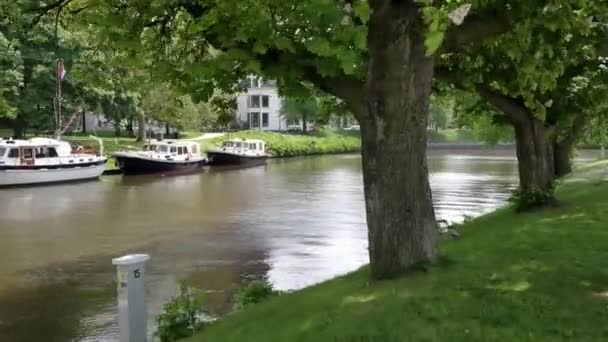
(255, 292)
(532, 198)
(513, 278)
(302, 110)
(225, 106)
(182, 317)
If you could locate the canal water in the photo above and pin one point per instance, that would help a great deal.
(295, 222)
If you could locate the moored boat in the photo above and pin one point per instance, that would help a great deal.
(238, 152)
(44, 160)
(161, 156)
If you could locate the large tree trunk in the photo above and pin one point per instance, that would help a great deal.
(562, 158)
(535, 156)
(19, 127)
(534, 144)
(141, 127)
(562, 148)
(401, 220)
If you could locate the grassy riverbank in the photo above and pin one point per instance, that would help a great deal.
(540, 276)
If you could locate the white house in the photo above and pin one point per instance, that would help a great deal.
(259, 106)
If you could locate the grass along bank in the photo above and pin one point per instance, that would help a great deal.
(530, 277)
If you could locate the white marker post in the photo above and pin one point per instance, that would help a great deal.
(132, 315)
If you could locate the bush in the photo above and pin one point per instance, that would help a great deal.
(183, 316)
(532, 198)
(255, 292)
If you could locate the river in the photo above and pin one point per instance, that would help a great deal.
(295, 222)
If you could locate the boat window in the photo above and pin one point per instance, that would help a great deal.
(194, 149)
(40, 152)
(180, 150)
(14, 153)
(228, 144)
(2, 151)
(52, 152)
(146, 148)
(28, 153)
(163, 148)
(173, 149)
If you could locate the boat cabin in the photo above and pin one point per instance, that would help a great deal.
(40, 152)
(245, 146)
(173, 148)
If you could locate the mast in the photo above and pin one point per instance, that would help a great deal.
(59, 77)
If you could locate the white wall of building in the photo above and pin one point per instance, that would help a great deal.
(255, 102)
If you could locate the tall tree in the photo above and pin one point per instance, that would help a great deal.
(377, 56)
(302, 110)
(526, 74)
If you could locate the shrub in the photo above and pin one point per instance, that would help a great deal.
(255, 292)
(182, 317)
(532, 198)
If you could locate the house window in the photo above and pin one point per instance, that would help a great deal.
(264, 119)
(14, 153)
(265, 101)
(253, 101)
(254, 119)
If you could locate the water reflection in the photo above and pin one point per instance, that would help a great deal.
(295, 222)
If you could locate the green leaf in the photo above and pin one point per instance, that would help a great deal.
(433, 42)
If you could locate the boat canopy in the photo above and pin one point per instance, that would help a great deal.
(62, 148)
(172, 147)
(248, 144)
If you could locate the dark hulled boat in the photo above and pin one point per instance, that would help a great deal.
(162, 156)
(249, 152)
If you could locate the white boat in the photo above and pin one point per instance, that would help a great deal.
(162, 156)
(238, 152)
(43, 160)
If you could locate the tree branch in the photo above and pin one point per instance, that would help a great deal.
(475, 30)
(514, 109)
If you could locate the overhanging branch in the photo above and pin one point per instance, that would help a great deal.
(514, 109)
(475, 30)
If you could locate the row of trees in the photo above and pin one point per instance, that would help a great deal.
(99, 78)
(538, 64)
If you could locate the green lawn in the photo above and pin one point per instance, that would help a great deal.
(540, 276)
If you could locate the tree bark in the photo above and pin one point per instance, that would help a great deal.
(401, 220)
(562, 158)
(84, 121)
(535, 156)
(141, 127)
(562, 148)
(304, 124)
(20, 126)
